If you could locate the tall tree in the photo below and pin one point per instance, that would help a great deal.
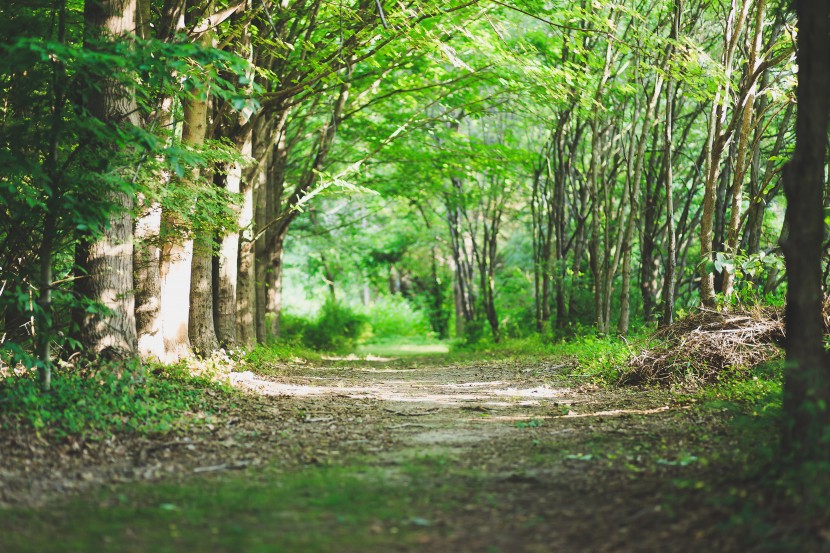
(106, 263)
(807, 381)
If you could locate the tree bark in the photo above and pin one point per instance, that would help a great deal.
(717, 140)
(671, 238)
(634, 211)
(106, 263)
(743, 146)
(227, 258)
(807, 378)
(147, 264)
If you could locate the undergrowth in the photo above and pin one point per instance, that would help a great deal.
(280, 351)
(591, 358)
(772, 502)
(95, 403)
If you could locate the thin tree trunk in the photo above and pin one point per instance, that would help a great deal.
(246, 275)
(634, 190)
(261, 148)
(275, 236)
(744, 139)
(228, 259)
(671, 239)
(200, 323)
(715, 144)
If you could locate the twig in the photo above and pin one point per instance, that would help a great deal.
(420, 414)
(407, 425)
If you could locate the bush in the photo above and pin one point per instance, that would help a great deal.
(293, 328)
(337, 327)
(391, 316)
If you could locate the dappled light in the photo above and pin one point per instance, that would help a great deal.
(426, 276)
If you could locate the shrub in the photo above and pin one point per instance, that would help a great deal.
(391, 316)
(337, 327)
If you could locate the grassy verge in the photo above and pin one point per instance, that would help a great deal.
(404, 346)
(585, 359)
(95, 403)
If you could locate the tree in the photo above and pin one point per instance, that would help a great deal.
(106, 263)
(806, 433)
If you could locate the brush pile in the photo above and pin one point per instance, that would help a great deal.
(695, 350)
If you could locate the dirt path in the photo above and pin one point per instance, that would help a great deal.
(517, 458)
(567, 468)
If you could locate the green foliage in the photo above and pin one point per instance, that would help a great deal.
(751, 271)
(586, 357)
(64, 172)
(758, 392)
(107, 400)
(279, 351)
(336, 328)
(391, 316)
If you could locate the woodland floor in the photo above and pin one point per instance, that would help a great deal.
(409, 454)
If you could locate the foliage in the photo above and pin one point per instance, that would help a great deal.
(335, 328)
(586, 358)
(64, 172)
(103, 400)
(280, 351)
(391, 316)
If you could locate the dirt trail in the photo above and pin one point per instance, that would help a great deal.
(529, 461)
(568, 468)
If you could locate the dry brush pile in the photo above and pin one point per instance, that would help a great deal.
(697, 349)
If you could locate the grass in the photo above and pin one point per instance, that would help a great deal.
(95, 403)
(316, 509)
(404, 346)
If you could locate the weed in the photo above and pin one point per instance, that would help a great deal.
(105, 400)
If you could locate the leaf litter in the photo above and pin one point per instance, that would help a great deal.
(605, 480)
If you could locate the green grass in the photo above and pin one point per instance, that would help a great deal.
(590, 358)
(97, 402)
(317, 509)
(404, 346)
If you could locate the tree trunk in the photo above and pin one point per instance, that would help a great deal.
(807, 378)
(716, 141)
(275, 237)
(106, 264)
(261, 265)
(671, 239)
(201, 330)
(200, 323)
(594, 247)
(246, 274)
(634, 211)
(227, 259)
(176, 259)
(147, 264)
(245, 287)
(743, 146)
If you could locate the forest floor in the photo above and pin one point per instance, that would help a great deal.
(406, 455)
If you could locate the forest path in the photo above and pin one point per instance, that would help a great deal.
(376, 455)
(533, 461)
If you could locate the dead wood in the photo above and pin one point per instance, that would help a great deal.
(701, 347)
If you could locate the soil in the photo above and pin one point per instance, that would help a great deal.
(566, 467)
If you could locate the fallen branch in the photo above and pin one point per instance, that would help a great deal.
(412, 414)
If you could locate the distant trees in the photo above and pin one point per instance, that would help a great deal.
(581, 164)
